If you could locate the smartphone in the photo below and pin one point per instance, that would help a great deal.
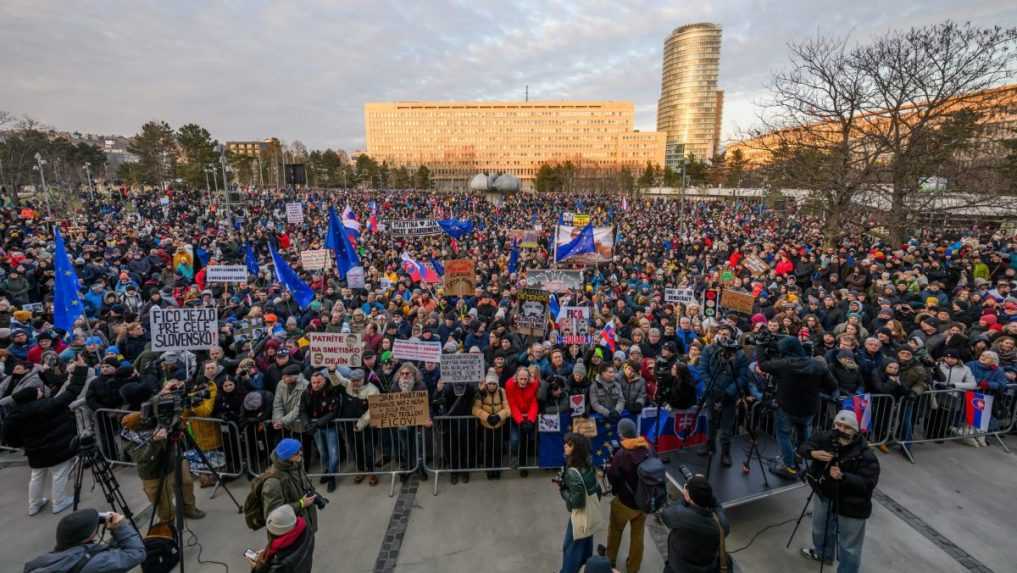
(251, 554)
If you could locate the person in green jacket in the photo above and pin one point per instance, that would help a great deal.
(288, 484)
(578, 478)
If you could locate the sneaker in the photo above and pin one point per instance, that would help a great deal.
(810, 553)
(193, 513)
(524, 473)
(59, 507)
(359, 479)
(784, 472)
(323, 480)
(884, 449)
(981, 441)
(35, 510)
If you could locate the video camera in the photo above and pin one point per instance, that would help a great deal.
(765, 343)
(164, 409)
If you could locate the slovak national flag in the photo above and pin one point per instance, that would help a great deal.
(350, 221)
(419, 271)
(861, 405)
(977, 410)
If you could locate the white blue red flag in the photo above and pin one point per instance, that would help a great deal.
(350, 222)
(372, 221)
(861, 405)
(977, 410)
(607, 335)
(419, 271)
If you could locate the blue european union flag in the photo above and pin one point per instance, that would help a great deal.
(251, 260)
(437, 266)
(513, 263)
(337, 238)
(583, 243)
(67, 305)
(285, 275)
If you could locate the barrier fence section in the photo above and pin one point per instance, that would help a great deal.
(955, 415)
(463, 444)
(882, 415)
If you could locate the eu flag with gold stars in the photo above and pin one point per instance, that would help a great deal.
(67, 305)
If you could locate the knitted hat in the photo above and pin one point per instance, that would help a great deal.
(492, 376)
(579, 368)
(135, 393)
(848, 418)
(619, 355)
(253, 401)
(627, 428)
(286, 449)
(356, 374)
(22, 315)
(93, 340)
(76, 528)
(281, 520)
(700, 491)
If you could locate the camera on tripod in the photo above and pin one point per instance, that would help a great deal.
(164, 410)
(765, 343)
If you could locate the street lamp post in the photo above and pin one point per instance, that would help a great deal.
(88, 175)
(225, 181)
(40, 162)
(208, 191)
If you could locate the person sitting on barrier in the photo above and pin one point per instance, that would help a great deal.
(522, 400)
(844, 473)
(455, 401)
(606, 396)
(319, 405)
(491, 408)
(698, 529)
(354, 406)
(77, 551)
(623, 476)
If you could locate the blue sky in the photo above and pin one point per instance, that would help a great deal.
(303, 69)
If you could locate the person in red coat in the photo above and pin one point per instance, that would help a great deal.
(522, 399)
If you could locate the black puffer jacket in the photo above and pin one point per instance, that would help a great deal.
(799, 379)
(46, 427)
(693, 543)
(852, 493)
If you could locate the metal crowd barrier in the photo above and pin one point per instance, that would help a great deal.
(942, 415)
(463, 444)
(882, 416)
(371, 451)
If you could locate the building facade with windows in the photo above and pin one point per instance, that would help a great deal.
(690, 107)
(457, 140)
(265, 148)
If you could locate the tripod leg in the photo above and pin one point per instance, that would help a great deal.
(218, 478)
(79, 476)
(178, 498)
(798, 523)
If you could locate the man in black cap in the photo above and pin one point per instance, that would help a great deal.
(77, 551)
(698, 531)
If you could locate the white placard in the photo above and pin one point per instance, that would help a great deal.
(419, 350)
(314, 259)
(549, 423)
(413, 227)
(184, 328)
(335, 349)
(679, 295)
(460, 367)
(295, 213)
(226, 274)
(574, 325)
(355, 277)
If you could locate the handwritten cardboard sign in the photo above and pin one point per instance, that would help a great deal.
(399, 409)
(460, 278)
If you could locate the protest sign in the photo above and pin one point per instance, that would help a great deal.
(578, 404)
(554, 280)
(575, 219)
(738, 301)
(574, 325)
(756, 265)
(295, 213)
(585, 427)
(419, 350)
(549, 423)
(460, 278)
(184, 328)
(467, 367)
(528, 238)
(314, 259)
(679, 295)
(355, 277)
(532, 317)
(226, 274)
(335, 349)
(603, 243)
(33, 307)
(398, 409)
(413, 227)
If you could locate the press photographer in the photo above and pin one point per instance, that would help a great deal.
(77, 551)
(698, 528)
(285, 483)
(843, 474)
(797, 380)
(726, 369)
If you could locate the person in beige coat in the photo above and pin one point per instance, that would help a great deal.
(491, 408)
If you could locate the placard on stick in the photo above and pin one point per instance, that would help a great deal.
(335, 349)
(738, 301)
(295, 213)
(226, 274)
(399, 409)
(460, 278)
(184, 328)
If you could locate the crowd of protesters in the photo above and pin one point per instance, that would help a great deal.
(937, 311)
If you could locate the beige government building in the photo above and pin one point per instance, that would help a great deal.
(457, 140)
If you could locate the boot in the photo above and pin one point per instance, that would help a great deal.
(725, 457)
(331, 485)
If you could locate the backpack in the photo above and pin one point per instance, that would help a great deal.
(161, 552)
(651, 487)
(254, 507)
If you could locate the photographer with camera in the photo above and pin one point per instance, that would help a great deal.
(76, 550)
(698, 531)
(798, 380)
(726, 370)
(285, 483)
(843, 473)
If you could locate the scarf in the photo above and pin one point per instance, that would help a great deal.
(633, 443)
(284, 540)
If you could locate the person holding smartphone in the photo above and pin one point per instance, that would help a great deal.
(76, 549)
(290, 546)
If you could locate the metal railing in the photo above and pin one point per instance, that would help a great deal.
(882, 420)
(463, 444)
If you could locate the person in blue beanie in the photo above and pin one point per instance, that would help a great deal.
(287, 483)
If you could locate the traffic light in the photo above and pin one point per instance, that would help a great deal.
(710, 302)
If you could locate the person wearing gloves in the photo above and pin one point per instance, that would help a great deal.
(290, 544)
(491, 408)
(287, 483)
(956, 375)
(606, 396)
(844, 473)
(695, 529)
(354, 405)
(77, 551)
(522, 399)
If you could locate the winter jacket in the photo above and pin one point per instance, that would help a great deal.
(575, 484)
(292, 552)
(318, 409)
(799, 381)
(355, 404)
(454, 399)
(693, 541)
(548, 404)
(849, 380)
(621, 474)
(126, 552)
(958, 376)
(46, 427)
(988, 377)
(287, 486)
(606, 397)
(487, 403)
(207, 435)
(726, 378)
(852, 495)
(915, 376)
(286, 404)
(633, 393)
(9, 386)
(522, 401)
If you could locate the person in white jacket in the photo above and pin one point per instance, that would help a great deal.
(957, 375)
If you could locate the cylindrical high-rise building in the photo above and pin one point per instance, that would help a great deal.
(690, 105)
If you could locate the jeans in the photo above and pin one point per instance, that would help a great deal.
(37, 483)
(850, 535)
(723, 416)
(575, 552)
(326, 440)
(622, 515)
(522, 443)
(786, 424)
